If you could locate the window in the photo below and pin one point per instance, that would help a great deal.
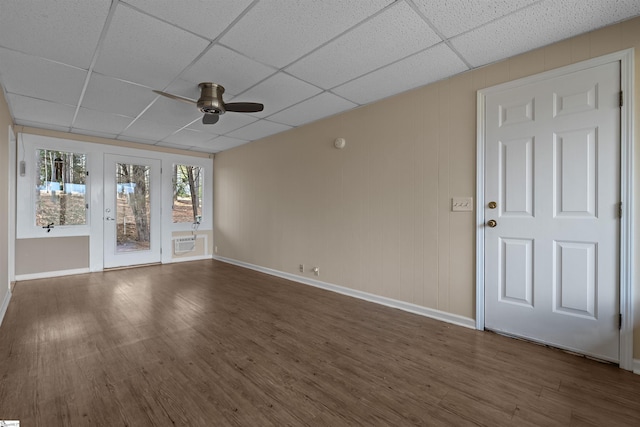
(186, 206)
(53, 187)
(60, 192)
(60, 198)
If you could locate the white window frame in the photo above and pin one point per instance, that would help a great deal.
(206, 221)
(26, 199)
(95, 152)
(202, 198)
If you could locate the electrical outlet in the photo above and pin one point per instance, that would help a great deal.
(301, 268)
(459, 204)
(316, 271)
(215, 249)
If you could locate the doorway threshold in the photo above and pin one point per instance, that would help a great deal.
(126, 267)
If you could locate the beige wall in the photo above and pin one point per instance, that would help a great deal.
(5, 122)
(375, 216)
(51, 254)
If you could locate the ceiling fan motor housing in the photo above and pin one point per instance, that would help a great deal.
(210, 101)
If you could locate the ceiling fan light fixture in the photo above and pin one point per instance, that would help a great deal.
(210, 101)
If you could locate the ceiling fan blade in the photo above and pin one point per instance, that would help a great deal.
(244, 107)
(210, 119)
(176, 97)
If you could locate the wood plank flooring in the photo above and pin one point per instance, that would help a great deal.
(209, 344)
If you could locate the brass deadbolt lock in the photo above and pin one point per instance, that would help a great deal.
(493, 205)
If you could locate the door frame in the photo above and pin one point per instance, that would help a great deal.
(627, 273)
(154, 254)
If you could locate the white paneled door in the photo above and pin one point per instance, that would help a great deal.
(552, 179)
(131, 211)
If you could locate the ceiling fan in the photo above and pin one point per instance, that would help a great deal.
(212, 105)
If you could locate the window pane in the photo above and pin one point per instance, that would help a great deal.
(61, 188)
(187, 193)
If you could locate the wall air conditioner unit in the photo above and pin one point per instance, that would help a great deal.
(184, 244)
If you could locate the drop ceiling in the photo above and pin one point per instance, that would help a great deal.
(89, 66)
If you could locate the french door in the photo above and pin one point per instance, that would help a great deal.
(131, 210)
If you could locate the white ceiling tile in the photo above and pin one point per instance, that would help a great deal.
(40, 78)
(149, 131)
(222, 143)
(189, 137)
(94, 133)
(171, 112)
(539, 25)
(323, 105)
(392, 35)
(172, 145)
(228, 122)
(42, 125)
(420, 69)
(453, 17)
(116, 96)
(277, 32)
(100, 122)
(184, 88)
(144, 50)
(46, 113)
(136, 139)
(204, 150)
(206, 18)
(227, 68)
(277, 93)
(63, 30)
(203, 144)
(259, 129)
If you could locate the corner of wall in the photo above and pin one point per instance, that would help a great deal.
(4, 306)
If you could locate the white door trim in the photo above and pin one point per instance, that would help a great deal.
(13, 149)
(114, 258)
(627, 273)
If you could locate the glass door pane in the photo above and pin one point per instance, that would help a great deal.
(133, 231)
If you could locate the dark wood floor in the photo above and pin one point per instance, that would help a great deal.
(210, 344)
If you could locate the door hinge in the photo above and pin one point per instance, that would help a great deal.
(621, 98)
(620, 210)
(620, 321)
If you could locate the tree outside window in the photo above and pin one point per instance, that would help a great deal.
(187, 193)
(61, 188)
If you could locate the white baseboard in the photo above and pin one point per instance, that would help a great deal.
(389, 302)
(191, 258)
(636, 366)
(49, 274)
(5, 305)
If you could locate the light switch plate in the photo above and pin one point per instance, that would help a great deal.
(461, 204)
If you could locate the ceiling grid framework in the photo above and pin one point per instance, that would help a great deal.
(90, 66)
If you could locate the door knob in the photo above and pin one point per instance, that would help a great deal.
(110, 219)
(492, 223)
